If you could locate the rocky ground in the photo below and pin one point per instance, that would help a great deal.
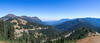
(90, 39)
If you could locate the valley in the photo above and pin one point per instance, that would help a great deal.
(24, 29)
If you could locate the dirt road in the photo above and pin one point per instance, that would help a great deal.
(2, 42)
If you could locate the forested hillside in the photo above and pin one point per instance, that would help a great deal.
(15, 29)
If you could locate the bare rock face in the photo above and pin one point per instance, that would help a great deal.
(31, 19)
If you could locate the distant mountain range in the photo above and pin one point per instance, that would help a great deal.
(79, 28)
(63, 24)
(31, 26)
(55, 22)
(93, 23)
(68, 29)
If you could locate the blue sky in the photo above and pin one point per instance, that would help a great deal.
(51, 9)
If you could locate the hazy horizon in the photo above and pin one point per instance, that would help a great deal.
(51, 9)
(51, 19)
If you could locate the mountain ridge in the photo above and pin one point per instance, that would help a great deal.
(56, 22)
(86, 22)
(27, 18)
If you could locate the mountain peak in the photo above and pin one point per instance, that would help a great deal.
(11, 15)
(31, 19)
(80, 19)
